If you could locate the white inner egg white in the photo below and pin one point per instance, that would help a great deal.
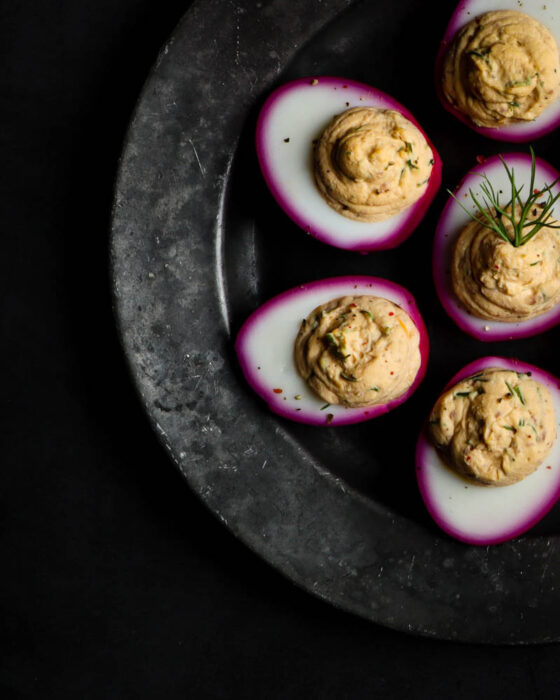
(266, 347)
(295, 118)
(548, 13)
(454, 218)
(486, 514)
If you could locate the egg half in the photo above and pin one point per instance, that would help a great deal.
(548, 14)
(452, 220)
(265, 349)
(291, 120)
(483, 515)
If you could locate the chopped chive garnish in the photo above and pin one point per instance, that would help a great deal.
(367, 313)
(348, 377)
(481, 53)
(519, 83)
(510, 427)
(463, 393)
(519, 394)
(478, 378)
(325, 406)
(374, 388)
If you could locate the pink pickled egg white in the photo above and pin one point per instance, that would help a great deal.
(548, 14)
(265, 345)
(294, 116)
(453, 219)
(482, 515)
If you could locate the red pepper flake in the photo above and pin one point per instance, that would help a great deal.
(536, 191)
(352, 305)
(392, 373)
(468, 459)
(330, 417)
(345, 86)
(277, 391)
(481, 159)
(496, 267)
(549, 467)
(391, 313)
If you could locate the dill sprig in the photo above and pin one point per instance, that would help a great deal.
(493, 215)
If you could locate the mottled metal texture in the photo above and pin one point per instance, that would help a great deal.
(191, 257)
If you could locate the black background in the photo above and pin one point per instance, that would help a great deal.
(115, 582)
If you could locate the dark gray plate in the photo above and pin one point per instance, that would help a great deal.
(198, 243)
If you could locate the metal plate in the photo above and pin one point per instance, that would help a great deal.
(198, 243)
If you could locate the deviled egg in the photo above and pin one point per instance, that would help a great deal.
(335, 351)
(496, 255)
(348, 163)
(488, 458)
(498, 71)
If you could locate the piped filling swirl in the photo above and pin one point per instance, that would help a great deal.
(502, 67)
(358, 351)
(371, 163)
(495, 427)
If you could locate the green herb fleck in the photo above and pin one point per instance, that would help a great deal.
(520, 83)
(519, 394)
(331, 340)
(480, 53)
(325, 406)
(510, 427)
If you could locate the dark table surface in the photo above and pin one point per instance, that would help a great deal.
(115, 581)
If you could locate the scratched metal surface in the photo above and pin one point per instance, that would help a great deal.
(198, 243)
